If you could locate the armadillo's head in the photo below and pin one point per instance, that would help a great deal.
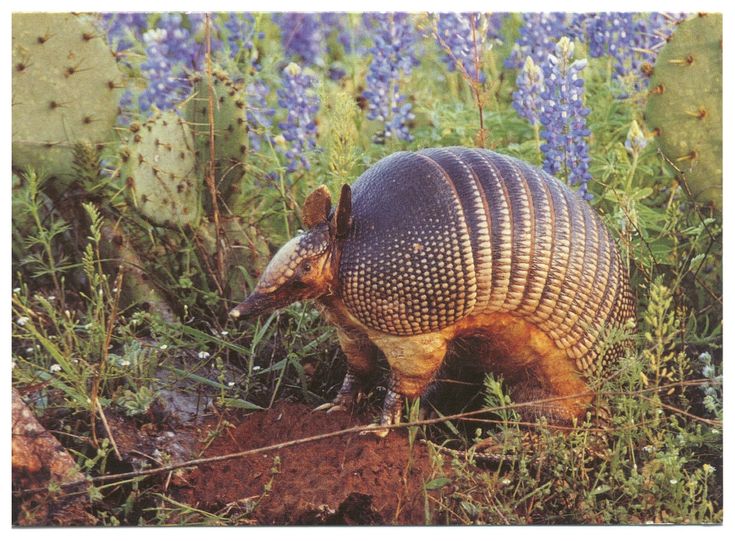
(304, 267)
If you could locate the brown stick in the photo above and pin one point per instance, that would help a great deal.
(219, 256)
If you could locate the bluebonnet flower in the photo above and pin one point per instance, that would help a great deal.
(170, 50)
(630, 40)
(635, 140)
(527, 96)
(564, 118)
(123, 28)
(298, 96)
(392, 57)
(539, 33)
(612, 34)
(337, 23)
(495, 23)
(241, 34)
(259, 115)
(462, 43)
(302, 36)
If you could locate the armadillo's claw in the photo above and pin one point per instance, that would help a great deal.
(331, 407)
(379, 430)
(325, 406)
(337, 407)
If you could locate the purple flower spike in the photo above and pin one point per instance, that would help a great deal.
(564, 118)
(302, 36)
(259, 115)
(527, 97)
(123, 28)
(170, 50)
(297, 96)
(240, 34)
(462, 43)
(636, 141)
(539, 33)
(392, 56)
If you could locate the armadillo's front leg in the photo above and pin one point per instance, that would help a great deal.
(414, 361)
(361, 363)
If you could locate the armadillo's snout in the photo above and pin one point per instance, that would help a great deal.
(254, 305)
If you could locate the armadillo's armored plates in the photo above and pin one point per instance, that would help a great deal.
(441, 234)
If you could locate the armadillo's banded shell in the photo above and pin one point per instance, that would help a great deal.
(443, 233)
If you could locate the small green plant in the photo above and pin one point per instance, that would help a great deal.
(138, 402)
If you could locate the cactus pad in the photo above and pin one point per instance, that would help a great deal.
(159, 171)
(230, 122)
(684, 108)
(66, 89)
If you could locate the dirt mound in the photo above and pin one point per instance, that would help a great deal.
(348, 479)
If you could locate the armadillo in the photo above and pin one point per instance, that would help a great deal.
(437, 245)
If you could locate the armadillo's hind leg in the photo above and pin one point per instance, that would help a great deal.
(414, 361)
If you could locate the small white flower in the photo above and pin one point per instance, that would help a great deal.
(505, 481)
(22, 320)
(125, 362)
(114, 290)
(16, 290)
(224, 333)
(231, 384)
(164, 347)
(29, 350)
(648, 448)
(203, 355)
(673, 481)
(75, 361)
(55, 368)
(52, 297)
(67, 313)
(256, 368)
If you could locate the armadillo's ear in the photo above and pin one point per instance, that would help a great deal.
(343, 215)
(316, 207)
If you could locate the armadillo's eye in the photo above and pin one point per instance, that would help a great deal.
(306, 267)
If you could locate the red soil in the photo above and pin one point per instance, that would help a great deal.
(348, 479)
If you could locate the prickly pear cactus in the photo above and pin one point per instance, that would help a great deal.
(66, 89)
(684, 109)
(230, 123)
(159, 171)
